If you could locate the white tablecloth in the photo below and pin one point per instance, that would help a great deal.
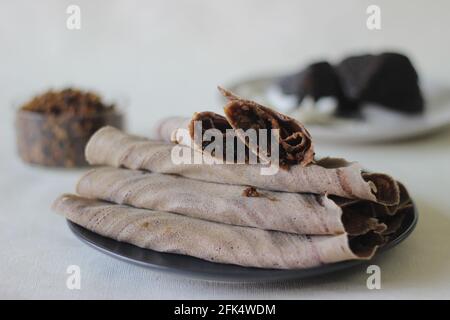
(36, 246)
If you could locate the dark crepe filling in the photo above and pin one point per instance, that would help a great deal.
(295, 141)
(361, 217)
(387, 191)
(363, 246)
(252, 192)
(369, 227)
(368, 224)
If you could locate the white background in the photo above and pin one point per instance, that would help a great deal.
(159, 58)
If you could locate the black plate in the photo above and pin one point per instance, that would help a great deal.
(201, 269)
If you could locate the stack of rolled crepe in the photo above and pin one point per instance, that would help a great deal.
(311, 212)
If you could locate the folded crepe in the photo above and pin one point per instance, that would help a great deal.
(236, 205)
(110, 146)
(216, 242)
(295, 146)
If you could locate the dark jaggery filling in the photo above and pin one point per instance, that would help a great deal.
(54, 127)
(293, 142)
(364, 245)
(67, 101)
(252, 119)
(387, 190)
(211, 120)
(252, 192)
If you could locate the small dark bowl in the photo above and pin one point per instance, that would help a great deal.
(59, 140)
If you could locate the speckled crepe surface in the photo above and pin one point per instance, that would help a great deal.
(169, 232)
(282, 211)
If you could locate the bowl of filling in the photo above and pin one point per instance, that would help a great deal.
(53, 128)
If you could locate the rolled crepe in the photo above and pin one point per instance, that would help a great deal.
(110, 146)
(251, 247)
(230, 204)
(181, 130)
(295, 146)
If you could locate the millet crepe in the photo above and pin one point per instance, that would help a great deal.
(216, 242)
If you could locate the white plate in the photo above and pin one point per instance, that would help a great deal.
(376, 125)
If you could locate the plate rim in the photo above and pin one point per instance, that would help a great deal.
(234, 273)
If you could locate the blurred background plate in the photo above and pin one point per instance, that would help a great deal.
(200, 269)
(376, 125)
